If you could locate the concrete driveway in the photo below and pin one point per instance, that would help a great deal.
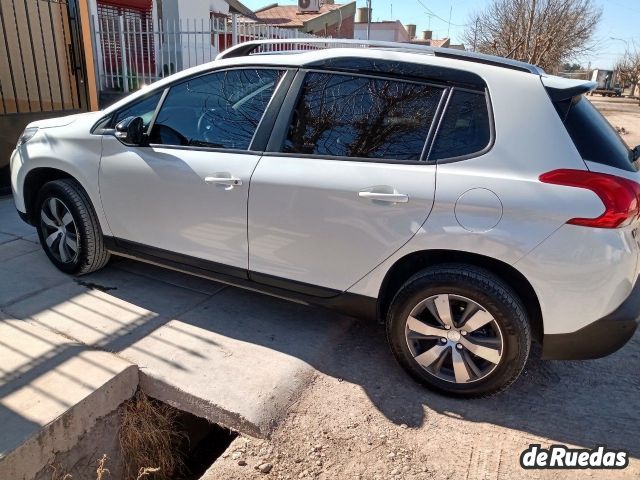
(243, 359)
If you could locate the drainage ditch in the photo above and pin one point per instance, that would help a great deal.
(143, 438)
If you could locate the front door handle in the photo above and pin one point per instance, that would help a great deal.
(384, 197)
(223, 179)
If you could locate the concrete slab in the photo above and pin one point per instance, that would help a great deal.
(27, 274)
(110, 309)
(169, 276)
(10, 222)
(239, 359)
(5, 237)
(52, 392)
(16, 247)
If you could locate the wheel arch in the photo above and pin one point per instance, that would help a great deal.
(414, 262)
(34, 181)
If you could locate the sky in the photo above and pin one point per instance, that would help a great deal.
(620, 20)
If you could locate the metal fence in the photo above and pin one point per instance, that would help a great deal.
(132, 50)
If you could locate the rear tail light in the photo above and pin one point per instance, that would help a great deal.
(621, 197)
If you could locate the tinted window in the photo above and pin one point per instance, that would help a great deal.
(219, 110)
(594, 137)
(465, 128)
(342, 115)
(144, 108)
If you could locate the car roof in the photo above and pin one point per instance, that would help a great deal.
(296, 58)
(328, 45)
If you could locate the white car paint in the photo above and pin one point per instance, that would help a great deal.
(183, 213)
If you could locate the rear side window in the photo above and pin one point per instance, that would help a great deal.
(594, 137)
(362, 117)
(218, 110)
(465, 128)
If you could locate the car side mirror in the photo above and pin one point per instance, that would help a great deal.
(636, 153)
(130, 131)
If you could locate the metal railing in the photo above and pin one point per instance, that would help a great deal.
(135, 50)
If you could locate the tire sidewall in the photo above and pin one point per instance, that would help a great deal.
(49, 190)
(515, 340)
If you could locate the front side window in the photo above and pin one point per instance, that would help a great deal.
(361, 117)
(219, 110)
(144, 108)
(465, 128)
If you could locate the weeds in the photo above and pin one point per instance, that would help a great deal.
(149, 435)
(102, 470)
(145, 472)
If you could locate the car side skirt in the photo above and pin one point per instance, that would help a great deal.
(344, 302)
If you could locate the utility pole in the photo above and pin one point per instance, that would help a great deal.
(449, 27)
(475, 35)
(369, 11)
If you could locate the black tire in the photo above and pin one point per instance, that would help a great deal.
(483, 289)
(90, 254)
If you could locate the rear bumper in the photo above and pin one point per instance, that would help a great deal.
(598, 339)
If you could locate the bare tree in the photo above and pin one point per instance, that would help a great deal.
(542, 32)
(628, 68)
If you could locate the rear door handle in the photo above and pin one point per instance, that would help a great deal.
(384, 197)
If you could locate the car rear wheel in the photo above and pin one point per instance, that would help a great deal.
(68, 228)
(460, 330)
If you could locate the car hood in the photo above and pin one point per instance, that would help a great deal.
(66, 120)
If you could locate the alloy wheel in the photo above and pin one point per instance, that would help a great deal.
(59, 230)
(454, 338)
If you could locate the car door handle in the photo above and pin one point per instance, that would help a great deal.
(226, 181)
(384, 197)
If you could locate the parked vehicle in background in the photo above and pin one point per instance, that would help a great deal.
(605, 86)
(473, 203)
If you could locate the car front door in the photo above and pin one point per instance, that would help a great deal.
(186, 192)
(343, 184)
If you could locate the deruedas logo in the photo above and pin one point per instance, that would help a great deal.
(562, 457)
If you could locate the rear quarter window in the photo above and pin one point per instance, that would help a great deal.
(465, 128)
(594, 137)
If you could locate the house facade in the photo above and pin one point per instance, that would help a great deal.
(330, 20)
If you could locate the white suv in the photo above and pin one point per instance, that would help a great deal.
(472, 203)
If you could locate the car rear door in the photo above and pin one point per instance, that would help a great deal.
(343, 184)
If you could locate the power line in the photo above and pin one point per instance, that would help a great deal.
(431, 12)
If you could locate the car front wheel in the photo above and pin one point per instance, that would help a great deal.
(460, 330)
(68, 228)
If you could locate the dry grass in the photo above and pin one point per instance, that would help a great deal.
(57, 474)
(149, 436)
(101, 471)
(145, 472)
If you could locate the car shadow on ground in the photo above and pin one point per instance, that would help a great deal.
(582, 403)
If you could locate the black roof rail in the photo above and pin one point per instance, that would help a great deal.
(293, 45)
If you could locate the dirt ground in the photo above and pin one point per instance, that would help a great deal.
(363, 418)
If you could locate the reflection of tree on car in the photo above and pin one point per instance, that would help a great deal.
(218, 110)
(365, 117)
